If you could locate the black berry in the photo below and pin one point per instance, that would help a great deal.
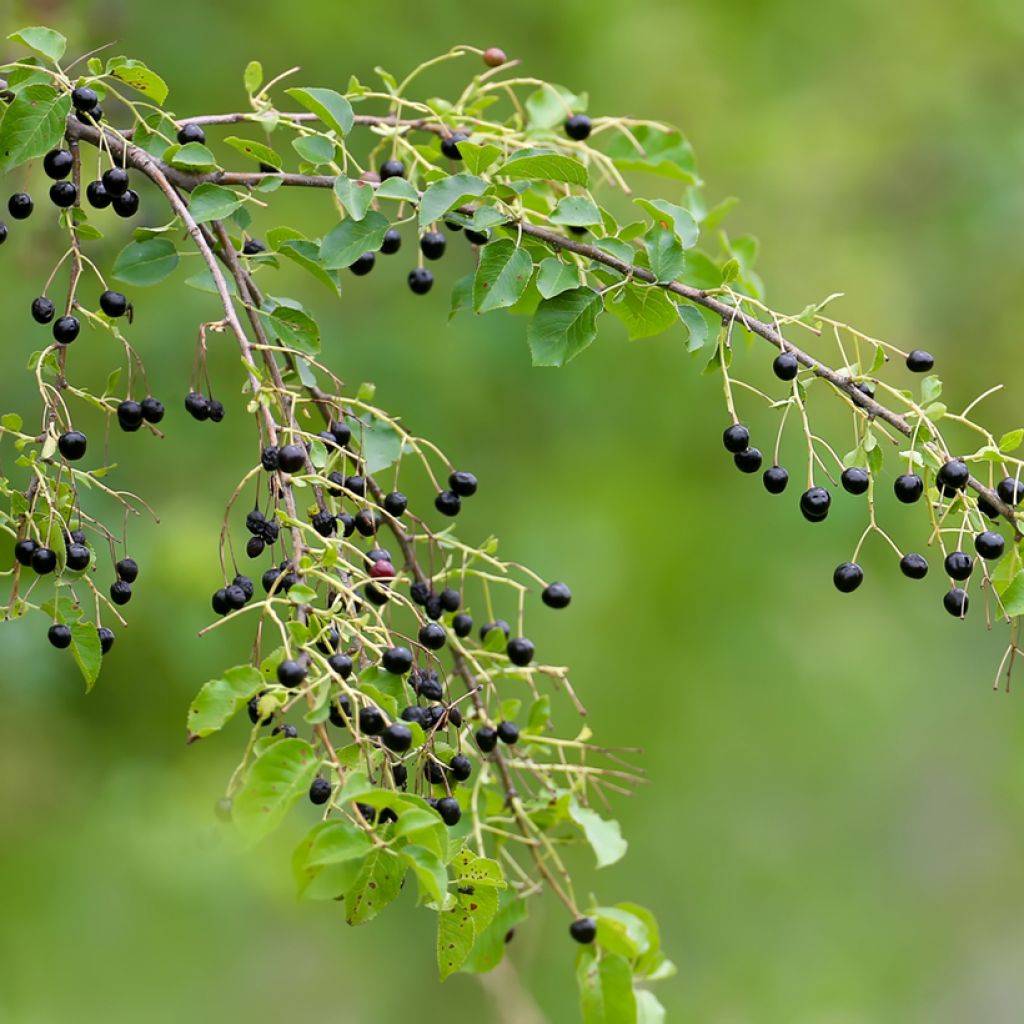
(106, 639)
(448, 503)
(508, 732)
(63, 194)
(395, 503)
(908, 488)
(129, 415)
(65, 329)
(59, 635)
(115, 182)
(291, 673)
(392, 169)
(749, 460)
(392, 242)
(462, 625)
(736, 438)
(363, 265)
(421, 280)
(77, 557)
(20, 205)
(23, 551)
(815, 503)
(855, 480)
(450, 145)
(191, 133)
(127, 569)
(72, 445)
(520, 651)
(42, 310)
(989, 545)
(397, 660)
(775, 479)
(486, 738)
(785, 366)
(432, 636)
(97, 194)
(577, 127)
(120, 592)
(319, 791)
(959, 565)
(462, 483)
(432, 245)
(126, 205)
(449, 809)
(583, 930)
(113, 303)
(848, 577)
(920, 361)
(397, 737)
(44, 560)
(57, 163)
(952, 477)
(84, 98)
(956, 602)
(914, 567)
(152, 409)
(371, 720)
(291, 458)
(461, 767)
(1010, 490)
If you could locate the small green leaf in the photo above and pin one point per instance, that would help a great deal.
(253, 77)
(669, 215)
(563, 327)
(603, 834)
(11, 421)
(544, 165)
(276, 780)
(327, 862)
(646, 310)
(314, 149)
(379, 443)
(399, 189)
(476, 158)
(502, 274)
(1013, 596)
(664, 153)
(351, 238)
(430, 873)
(45, 41)
(578, 211)
(440, 196)
(355, 196)
(255, 150)
(193, 156)
(219, 700)
(555, 277)
(931, 388)
(213, 202)
(665, 253)
(331, 107)
(295, 327)
(86, 650)
(1011, 441)
(145, 263)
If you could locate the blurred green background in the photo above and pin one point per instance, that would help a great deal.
(833, 829)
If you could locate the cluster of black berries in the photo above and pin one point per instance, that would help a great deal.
(201, 408)
(127, 570)
(263, 532)
(237, 594)
(43, 560)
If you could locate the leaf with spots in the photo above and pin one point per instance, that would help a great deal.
(377, 884)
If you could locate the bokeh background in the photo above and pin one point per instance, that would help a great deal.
(834, 825)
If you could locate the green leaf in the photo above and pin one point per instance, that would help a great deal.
(45, 41)
(213, 202)
(377, 884)
(440, 196)
(351, 238)
(255, 150)
(1011, 441)
(295, 327)
(648, 1009)
(252, 79)
(563, 326)
(695, 324)
(665, 253)
(646, 310)
(606, 988)
(355, 196)
(578, 211)
(11, 421)
(551, 104)
(476, 158)
(544, 165)
(668, 215)
(931, 388)
(379, 443)
(326, 863)
(398, 188)
(33, 125)
(294, 246)
(430, 873)
(331, 107)
(455, 937)
(193, 156)
(277, 779)
(664, 153)
(502, 274)
(86, 650)
(1013, 596)
(314, 149)
(603, 834)
(220, 700)
(140, 78)
(622, 931)
(556, 277)
(145, 263)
